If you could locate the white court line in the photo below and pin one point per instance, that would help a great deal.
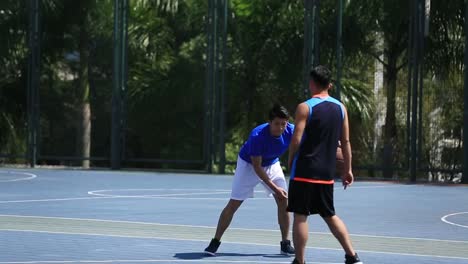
(212, 227)
(183, 194)
(165, 189)
(97, 196)
(101, 193)
(97, 192)
(189, 198)
(444, 219)
(229, 242)
(163, 196)
(117, 197)
(54, 200)
(204, 260)
(30, 176)
(215, 191)
(169, 196)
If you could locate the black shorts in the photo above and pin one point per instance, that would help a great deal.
(311, 198)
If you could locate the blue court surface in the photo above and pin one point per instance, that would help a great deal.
(73, 216)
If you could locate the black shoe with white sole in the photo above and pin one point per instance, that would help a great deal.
(213, 247)
(352, 259)
(286, 248)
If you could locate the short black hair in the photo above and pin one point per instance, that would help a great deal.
(321, 75)
(278, 111)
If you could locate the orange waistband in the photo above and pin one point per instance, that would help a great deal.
(313, 180)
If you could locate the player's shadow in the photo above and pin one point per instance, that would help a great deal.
(199, 255)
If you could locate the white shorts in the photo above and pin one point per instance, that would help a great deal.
(245, 180)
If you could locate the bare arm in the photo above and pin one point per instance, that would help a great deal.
(257, 165)
(347, 176)
(302, 114)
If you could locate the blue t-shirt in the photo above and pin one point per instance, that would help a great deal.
(262, 143)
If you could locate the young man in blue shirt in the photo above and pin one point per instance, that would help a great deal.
(321, 122)
(258, 162)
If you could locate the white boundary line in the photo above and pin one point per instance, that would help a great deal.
(30, 176)
(444, 219)
(98, 196)
(98, 192)
(55, 199)
(171, 196)
(121, 197)
(101, 193)
(212, 227)
(214, 191)
(228, 242)
(162, 196)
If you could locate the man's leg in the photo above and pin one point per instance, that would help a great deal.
(283, 217)
(300, 236)
(275, 172)
(226, 217)
(223, 223)
(243, 186)
(339, 230)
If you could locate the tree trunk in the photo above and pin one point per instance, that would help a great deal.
(84, 107)
(390, 133)
(378, 96)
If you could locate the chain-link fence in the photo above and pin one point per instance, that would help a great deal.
(179, 84)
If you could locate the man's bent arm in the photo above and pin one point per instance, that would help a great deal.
(257, 165)
(302, 114)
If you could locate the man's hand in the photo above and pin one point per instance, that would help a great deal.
(260, 171)
(347, 179)
(347, 176)
(281, 193)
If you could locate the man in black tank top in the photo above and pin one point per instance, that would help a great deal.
(320, 123)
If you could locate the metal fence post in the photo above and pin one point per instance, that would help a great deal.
(222, 95)
(465, 104)
(339, 48)
(119, 80)
(208, 94)
(33, 80)
(311, 39)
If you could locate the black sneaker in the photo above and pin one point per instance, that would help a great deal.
(295, 261)
(213, 247)
(352, 259)
(286, 248)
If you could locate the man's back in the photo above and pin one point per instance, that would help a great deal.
(320, 123)
(316, 159)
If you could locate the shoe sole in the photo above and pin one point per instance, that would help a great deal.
(210, 253)
(287, 254)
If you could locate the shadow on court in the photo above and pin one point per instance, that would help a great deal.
(200, 255)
